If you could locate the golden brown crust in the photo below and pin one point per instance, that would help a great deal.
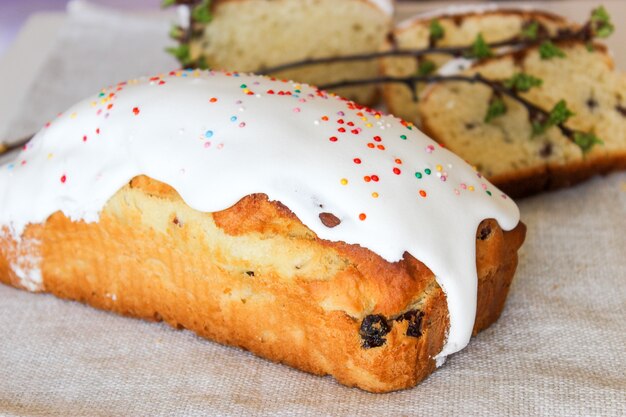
(151, 256)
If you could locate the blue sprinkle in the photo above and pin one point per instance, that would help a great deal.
(208, 133)
(233, 119)
(10, 166)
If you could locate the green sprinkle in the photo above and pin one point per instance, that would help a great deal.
(436, 30)
(558, 115)
(480, 49)
(297, 91)
(243, 86)
(426, 67)
(427, 171)
(548, 50)
(531, 30)
(202, 12)
(403, 137)
(488, 192)
(496, 108)
(522, 82)
(601, 23)
(585, 141)
(418, 175)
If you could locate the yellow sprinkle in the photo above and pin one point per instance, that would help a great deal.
(438, 167)
(50, 156)
(93, 104)
(364, 119)
(73, 115)
(344, 181)
(377, 116)
(368, 125)
(471, 188)
(297, 86)
(104, 100)
(245, 90)
(375, 194)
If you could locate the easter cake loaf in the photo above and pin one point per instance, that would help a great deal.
(266, 215)
(254, 35)
(580, 83)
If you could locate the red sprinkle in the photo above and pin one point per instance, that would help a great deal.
(341, 129)
(97, 131)
(396, 171)
(350, 124)
(377, 138)
(85, 138)
(213, 99)
(340, 121)
(381, 147)
(362, 216)
(333, 139)
(63, 178)
(355, 131)
(375, 178)
(423, 193)
(268, 92)
(136, 110)
(357, 161)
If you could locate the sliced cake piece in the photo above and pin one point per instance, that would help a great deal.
(253, 35)
(458, 26)
(505, 149)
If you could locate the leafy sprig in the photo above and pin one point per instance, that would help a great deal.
(600, 23)
(426, 67)
(548, 50)
(496, 108)
(437, 31)
(557, 116)
(530, 31)
(479, 49)
(522, 82)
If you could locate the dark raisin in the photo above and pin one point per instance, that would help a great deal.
(621, 109)
(546, 150)
(329, 219)
(373, 330)
(484, 233)
(470, 126)
(177, 222)
(250, 273)
(414, 317)
(591, 104)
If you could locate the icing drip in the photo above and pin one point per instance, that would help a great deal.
(217, 137)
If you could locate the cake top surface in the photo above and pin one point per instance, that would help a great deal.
(216, 137)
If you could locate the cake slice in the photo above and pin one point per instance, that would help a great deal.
(266, 215)
(505, 149)
(454, 26)
(254, 35)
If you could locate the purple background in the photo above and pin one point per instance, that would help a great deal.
(13, 13)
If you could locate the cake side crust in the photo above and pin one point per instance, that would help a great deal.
(151, 256)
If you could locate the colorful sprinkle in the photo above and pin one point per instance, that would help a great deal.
(233, 118)
(427, 171)
(423, 193)
(333, 139)
(375, 194)
(397, 171)
(135, 111)
(212, 100)
(357, 160)
(403, 137)
(418, 175)
(362, 216)
(63, 178)
(344, 181)
(208, 134)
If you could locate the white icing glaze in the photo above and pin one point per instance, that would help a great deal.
(384, 5)
(216, 137)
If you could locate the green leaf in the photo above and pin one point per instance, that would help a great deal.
(202, 64)
(601, 23)
(167, 3)
(176, 32)
(548, 50)
(202, 12)
(558, 115)
(436, 30)
(522, 82)
(180, 52)
(586, 140)
(480, 49)
(496, 108)
(426, 67)
(530, 31)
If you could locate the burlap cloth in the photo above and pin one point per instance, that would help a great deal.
(558, 349)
